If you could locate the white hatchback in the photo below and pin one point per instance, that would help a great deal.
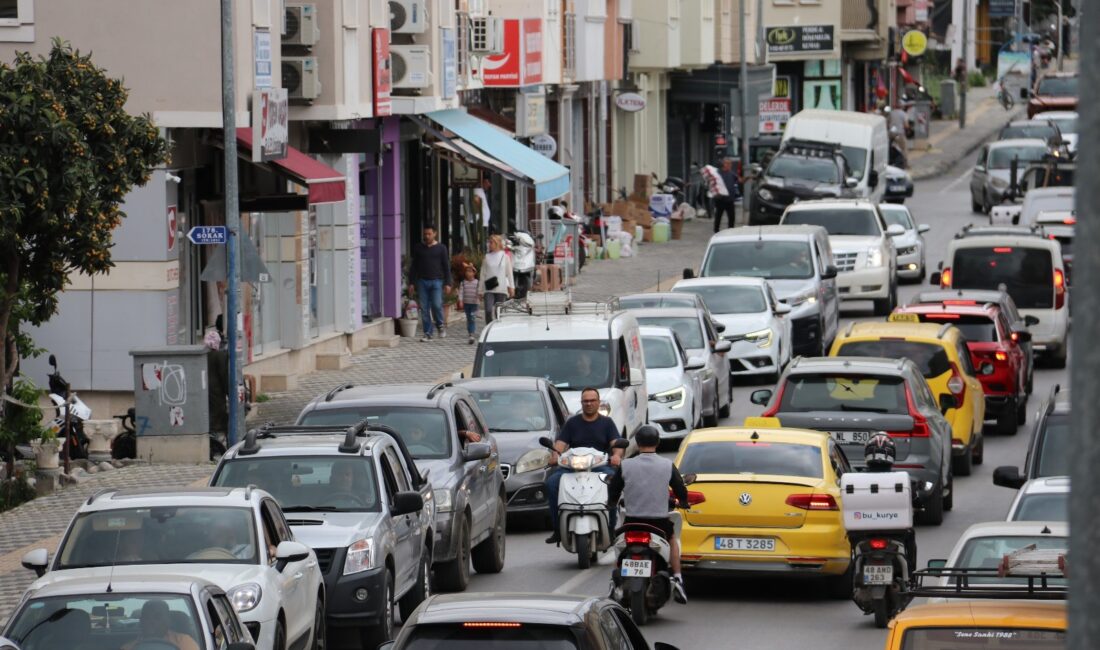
(1042, 499)
(675, 387)
(910, 245)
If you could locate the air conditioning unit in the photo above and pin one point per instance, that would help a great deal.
(300, 77)
(408, 16)
(410, 66)
(301, 24)
(487, 35)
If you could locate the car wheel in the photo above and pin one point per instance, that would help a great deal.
(975, 206)
(840, 587)
(423, 587)
(712, 419)
(319, 636)
(949, 498)
(1030, 382)
(280, 636)
(489, 554)
(978, 455)
(883, 306)
(961, 465)
(987, 205)
(1008, 422)
(1021, 409)
(725, 410)
(932, 514)
(455, 574)
(376, 635)
(1058, 361)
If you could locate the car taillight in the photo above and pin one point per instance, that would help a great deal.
(945, 278)
(1001, 356)
(956, 384)
(812, 502)
(1015, 336)
(1059, 288)
(878, 543)
(920, 424)
(491, 624)
(636, 537)
(695, 498)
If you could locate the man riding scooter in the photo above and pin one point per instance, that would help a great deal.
(879, 454)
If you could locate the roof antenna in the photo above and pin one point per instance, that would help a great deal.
(546, 309)
(658, 279)
(114, 559)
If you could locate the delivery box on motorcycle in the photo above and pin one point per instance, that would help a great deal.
(876, 500)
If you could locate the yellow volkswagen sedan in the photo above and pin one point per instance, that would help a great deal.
(980, 625)
(772, 504)
(941, 354)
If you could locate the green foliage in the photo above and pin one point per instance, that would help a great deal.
(15, 491)
(69, 154)
(22, 424)
(976, 79)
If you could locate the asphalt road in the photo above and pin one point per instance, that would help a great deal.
(739, 613)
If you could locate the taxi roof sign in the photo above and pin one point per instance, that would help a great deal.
(758, 422)
(897, 317)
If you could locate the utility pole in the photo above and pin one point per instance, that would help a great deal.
(232, 224)
(744, 92)
(1084, 529)
(965, 58)
(1058, 6)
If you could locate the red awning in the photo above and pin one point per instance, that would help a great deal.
(326, 185)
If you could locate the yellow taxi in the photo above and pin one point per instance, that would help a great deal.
(980, 625)
(941, 354)
(771, 504)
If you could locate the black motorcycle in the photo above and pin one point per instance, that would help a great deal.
(642, 580)
(881, 575)
(70, 414)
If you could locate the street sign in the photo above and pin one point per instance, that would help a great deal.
(774, 114)
(914, 43)
(201, 235)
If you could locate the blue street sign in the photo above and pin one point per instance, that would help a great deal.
(208, 235)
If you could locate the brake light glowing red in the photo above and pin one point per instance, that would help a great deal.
(1001, 356)
(491, 624)
(878, 543)
(637, 537)
(812, 502)
(1059, 288)
(920, 424)
(945, 278)
(1069, 221)
(1002, 249)
(960, 302)
(942, 316)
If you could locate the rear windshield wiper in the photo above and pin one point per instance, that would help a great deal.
(867, 409)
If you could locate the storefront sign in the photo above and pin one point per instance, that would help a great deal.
(630, 102)
(450, 61)
(914, 42)
(800, 38)
(261, 58)
(545, 144)
(530, 114)
(774, 114)
(380, 52)
(270, 132)
(781, 87)
(172, 228)
(521, 62)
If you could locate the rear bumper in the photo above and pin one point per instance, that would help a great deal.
(813, 549)
(346, 606)
(995, 405)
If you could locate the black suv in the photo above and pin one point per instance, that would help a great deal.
(801, 170)
(1048, 452)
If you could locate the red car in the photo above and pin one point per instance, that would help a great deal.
(1053, 92)
(995, 352)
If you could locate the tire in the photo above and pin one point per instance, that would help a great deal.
(421, 590)
(488, 556)
(840, 587)
(638, 611)
(1059, 361)
(884, 306)
(978, 455)
(962, 465)
(454, 575)
(724, 411)
(949, 500)
(280, 636)
(583, 547)
(932, 515)
(975, 206)
(712, 419)
(320, 638)
(1008, 422)
(987, 205)
(376, 635)
(882, 613)
(1021, 410)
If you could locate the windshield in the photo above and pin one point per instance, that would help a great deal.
(303, 483)
(976, 329)
(856, 159)
(1001, 157)
(899, 216)
(1058, 87)
(512, 411)
(989, 553)
(105, 621)
(730, 299)
(569, 365)
(424, 429)
(660, 352)
(816, 170)
(1028, 273)
(774, 260)
(982, 638)
(1043, 507)
(1038, 130)
(931, 359)
(1065, 125)
(780, 459)
(854, 221)
(161, 535)
(688, 328)
(519, 637)
(1053, 451)
(839, 392)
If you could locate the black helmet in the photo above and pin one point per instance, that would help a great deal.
(880, 451)
(647, 436)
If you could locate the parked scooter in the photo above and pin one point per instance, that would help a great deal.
(70, 414)
(125, 444)
(522, 246)
(582, 501)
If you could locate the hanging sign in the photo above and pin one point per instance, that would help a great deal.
(630, 102)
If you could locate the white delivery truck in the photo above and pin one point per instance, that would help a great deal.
(863, 139)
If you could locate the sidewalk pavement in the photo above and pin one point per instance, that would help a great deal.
(41, 522)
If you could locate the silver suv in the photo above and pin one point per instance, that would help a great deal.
(358, 500)
(437, 424)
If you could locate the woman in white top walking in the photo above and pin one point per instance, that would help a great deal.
(497, 284)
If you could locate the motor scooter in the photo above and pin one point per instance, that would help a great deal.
(642, 579)
(582, 501)
(880, 575)
(70, 414)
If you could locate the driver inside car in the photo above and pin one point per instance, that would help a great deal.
(156, 631)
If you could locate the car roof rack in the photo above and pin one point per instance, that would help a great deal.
(983, 230)
(336, 391)
(1038, 566)
(434, 390)
(554, 303)
(943, 330)
(98, 493)
(811, 148)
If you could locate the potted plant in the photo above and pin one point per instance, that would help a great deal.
(46, 449)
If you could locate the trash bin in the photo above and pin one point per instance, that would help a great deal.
(172, 414)
(922, 118)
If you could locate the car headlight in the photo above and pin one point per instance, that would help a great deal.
(442, 500)
(359, 556)
(245, 597)
(672, 398)
(908, 250)
(766, 194)
(999, 183)
(809, 295)
(762, 338)
(605, 409)
(874, 257)
(533, 460)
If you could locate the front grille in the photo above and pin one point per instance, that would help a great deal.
(324, 558)
(505, 470)
(845, 261)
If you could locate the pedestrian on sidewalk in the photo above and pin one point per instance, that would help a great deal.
(469, 298)
(497, 283)
(430, 275)
(724, 190)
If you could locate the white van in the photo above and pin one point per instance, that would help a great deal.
(863, 138)
(573, 346)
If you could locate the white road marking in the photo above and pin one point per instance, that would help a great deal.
(950, 186)
(567, 587)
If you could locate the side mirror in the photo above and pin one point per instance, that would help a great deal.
(546, 442)
(948, 402)
(782, 308)
(872, 179)
(937, 564)
(934, 278)
(895, 230)
(287, 552)
(723, 346)
(458, 375)
(37, 560)
(1008, 476)
(690, 478)
(761, 397)
(756, 169)
(696, 363)
(476, 451)
(851, 182)
(1030, 320)
(689, 274)
(405, 503)
(979, 168)
(923, 228)
(718, 327)
(620, 443)
(985, 369)
(829, 273)
(637, 377)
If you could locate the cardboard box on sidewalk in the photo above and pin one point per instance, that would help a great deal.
(547, 277)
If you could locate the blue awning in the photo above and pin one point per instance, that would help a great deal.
(549, 179)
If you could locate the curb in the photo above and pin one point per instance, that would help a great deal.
(943, 166)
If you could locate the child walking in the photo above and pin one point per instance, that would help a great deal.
(468, 299)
